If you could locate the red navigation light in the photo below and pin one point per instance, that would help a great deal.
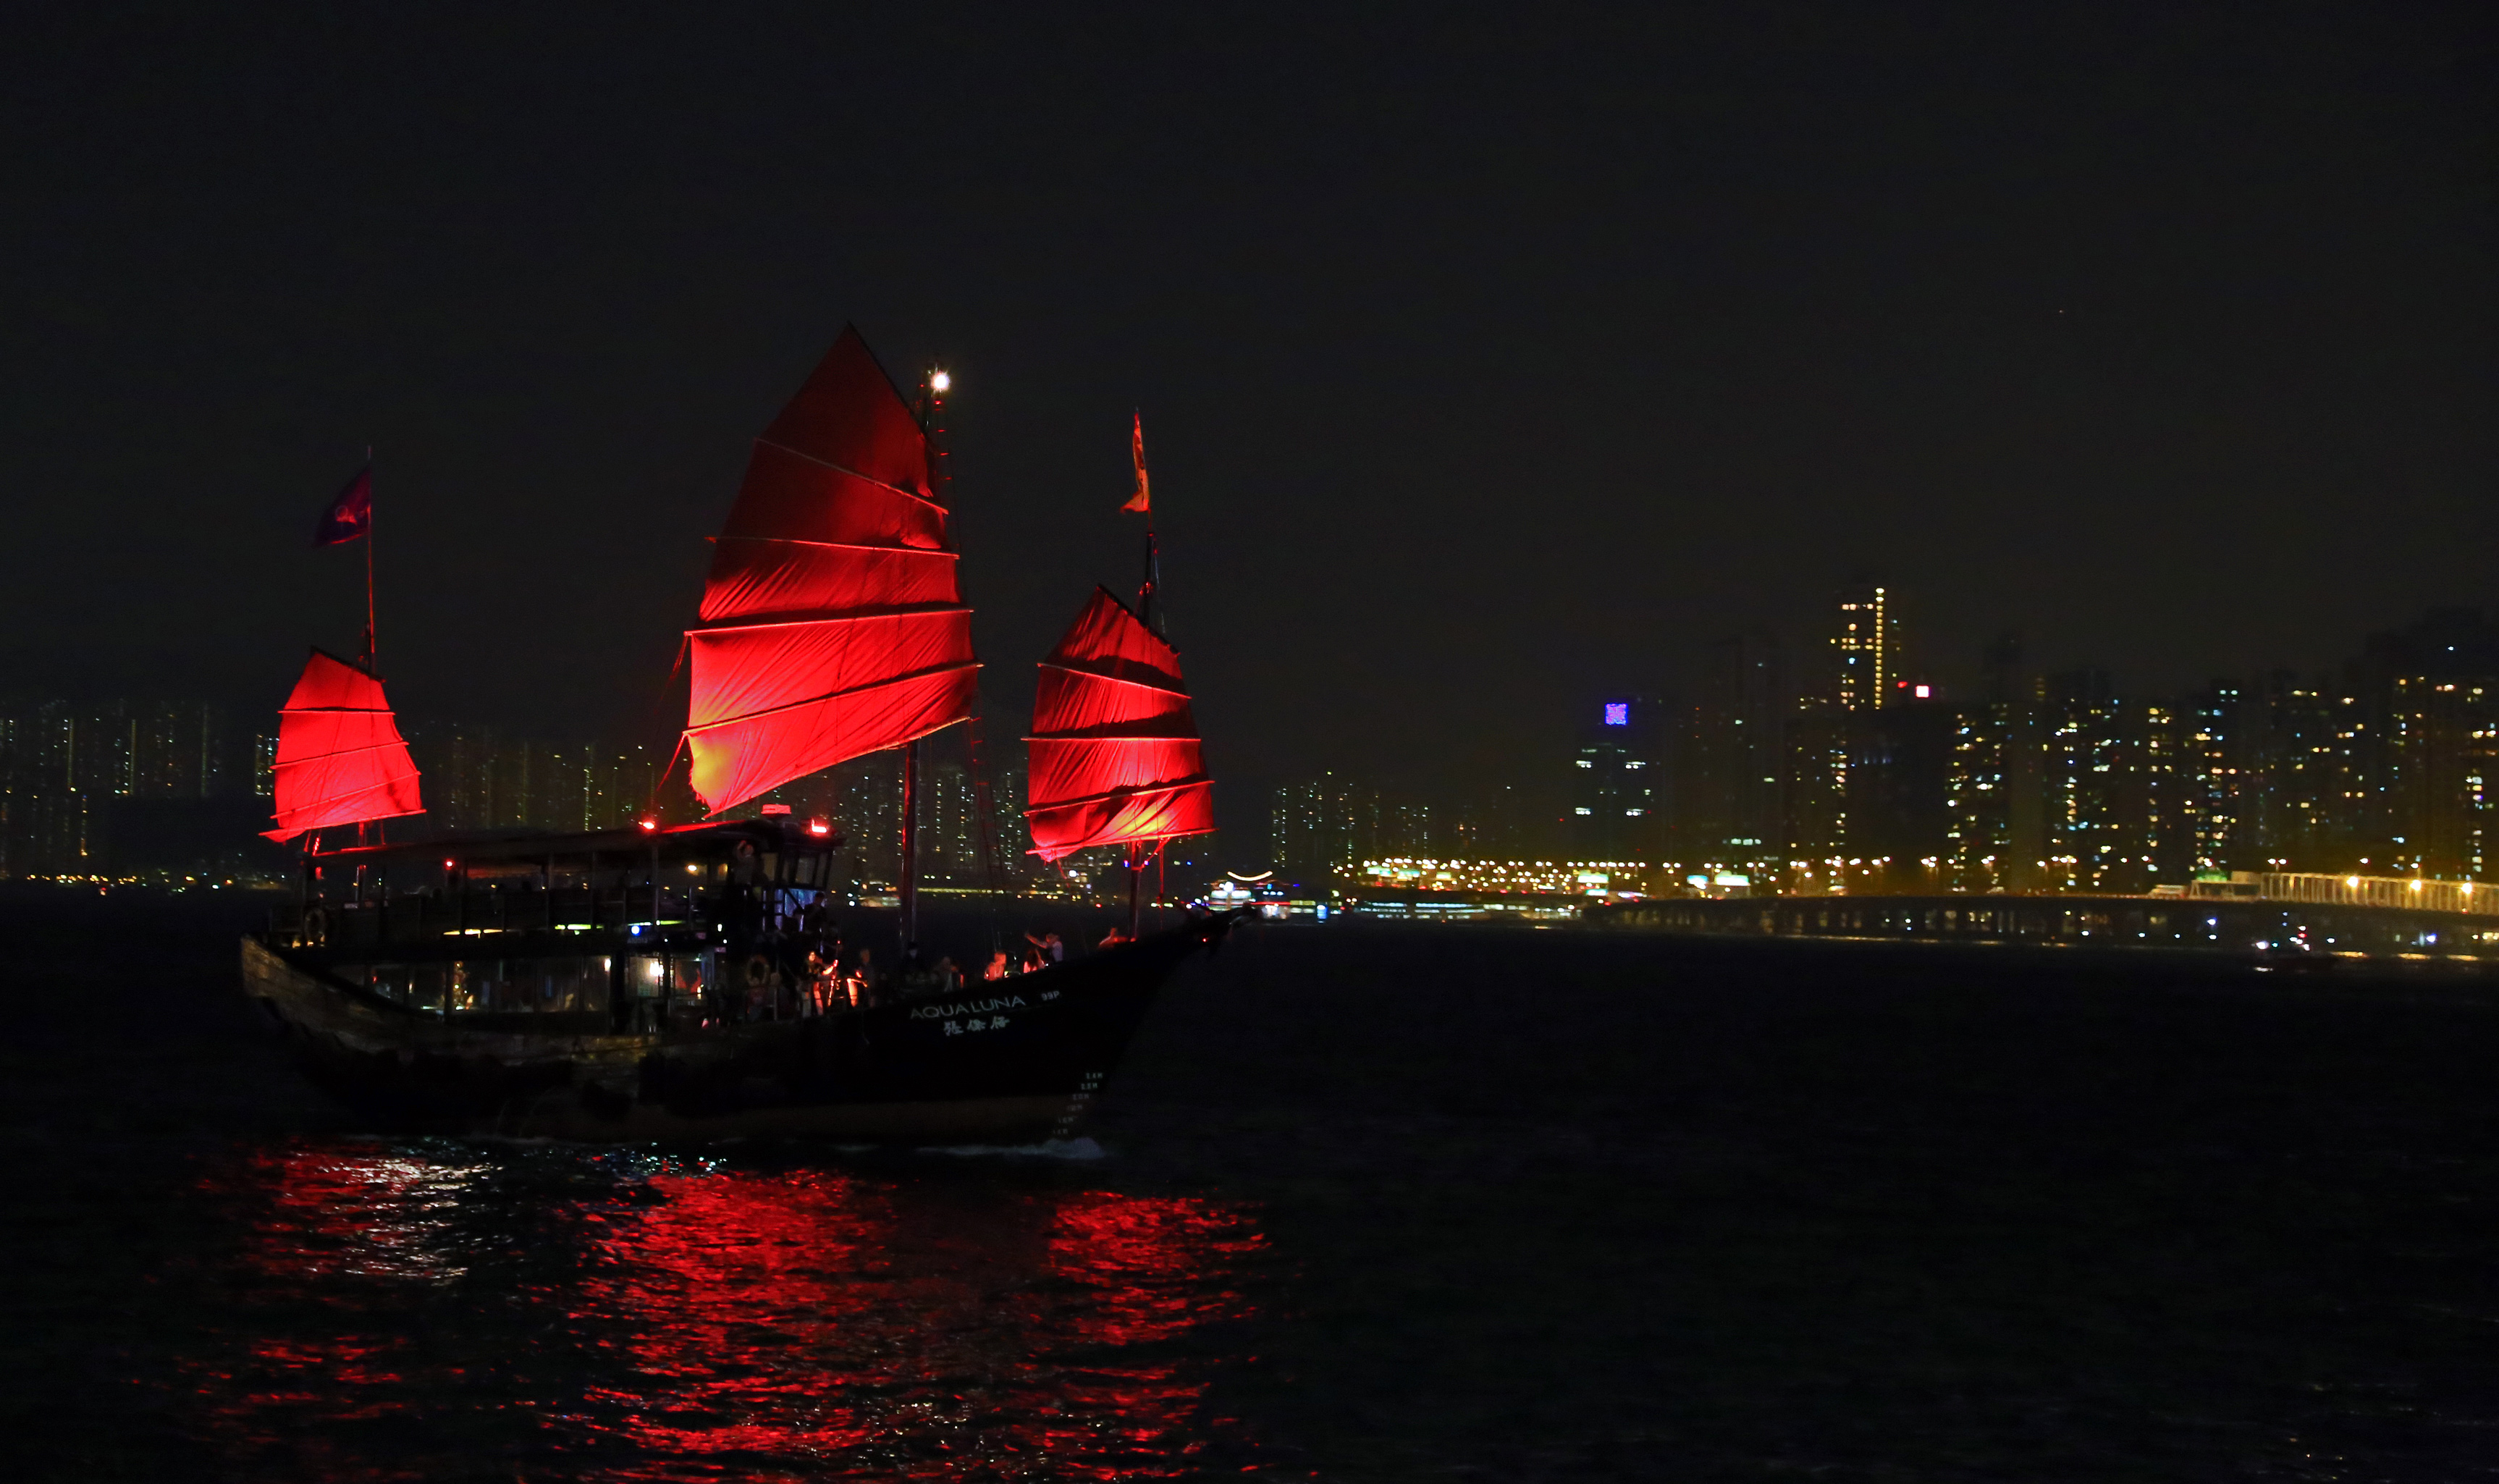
(820, 827)
(650, 823)
(450, 864)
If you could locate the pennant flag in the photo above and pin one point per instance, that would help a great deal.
(1137, 450)
(351, 514)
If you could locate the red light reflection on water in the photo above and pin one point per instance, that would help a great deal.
(672, 1321)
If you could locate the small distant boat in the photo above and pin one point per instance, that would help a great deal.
(667, 982)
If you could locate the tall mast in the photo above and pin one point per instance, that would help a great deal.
(1152, 617)
(1142, 502)
(371, 659)
(933, 387)
(906, 870)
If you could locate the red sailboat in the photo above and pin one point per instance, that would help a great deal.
(661, 982)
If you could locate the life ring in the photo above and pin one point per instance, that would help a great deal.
(316, 926)
(759, 971)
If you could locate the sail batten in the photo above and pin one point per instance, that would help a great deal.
(826, 630)
(831, 696)
(1114, 756)
(340, 758)
(844, 469)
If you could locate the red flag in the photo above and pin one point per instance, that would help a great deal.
(351, 514)
(1137, 451)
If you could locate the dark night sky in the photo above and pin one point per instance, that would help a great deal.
(1488, 359)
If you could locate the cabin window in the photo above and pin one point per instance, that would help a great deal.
(491, 986)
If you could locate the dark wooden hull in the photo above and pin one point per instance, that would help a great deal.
(1014, 1061)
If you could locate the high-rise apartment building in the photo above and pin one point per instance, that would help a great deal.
(1618, 782)
(1866, 648)
(1900, 795)
(2444, 743)
(1996, 789)
(1310, 829)
(1732, 767)
(76, 776)
(2205, 779)
(2100, 793)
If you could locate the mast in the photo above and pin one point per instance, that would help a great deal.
(1153, 623)
(906, 870)
(372, 659)
(933, 387)
(1143, 501)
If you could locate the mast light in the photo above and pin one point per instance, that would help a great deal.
(939, 382)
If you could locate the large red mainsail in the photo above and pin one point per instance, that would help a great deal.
(1114, 750)
(340, 759)
(832, 622)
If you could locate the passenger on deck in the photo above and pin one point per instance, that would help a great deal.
(998, 968)
(949, 978)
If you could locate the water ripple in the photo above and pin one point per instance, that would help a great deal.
(417, 1309)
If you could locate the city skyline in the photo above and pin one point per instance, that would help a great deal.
(1480, 357)
(2033, 780)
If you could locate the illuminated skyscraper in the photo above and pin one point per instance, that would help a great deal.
(1866, 646)
(1618, 782)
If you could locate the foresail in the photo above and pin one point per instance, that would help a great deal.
(340, 758)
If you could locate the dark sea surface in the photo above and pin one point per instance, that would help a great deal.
(1365, 1203)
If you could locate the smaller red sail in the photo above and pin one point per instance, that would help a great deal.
(1114, 751)
(340, 759)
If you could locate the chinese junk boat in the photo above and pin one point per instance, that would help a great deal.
(684, 981)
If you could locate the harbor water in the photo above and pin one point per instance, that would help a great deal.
(1366, 1202)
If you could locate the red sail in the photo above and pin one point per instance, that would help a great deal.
(832, 622)
(340, 759)
(1115, 752)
